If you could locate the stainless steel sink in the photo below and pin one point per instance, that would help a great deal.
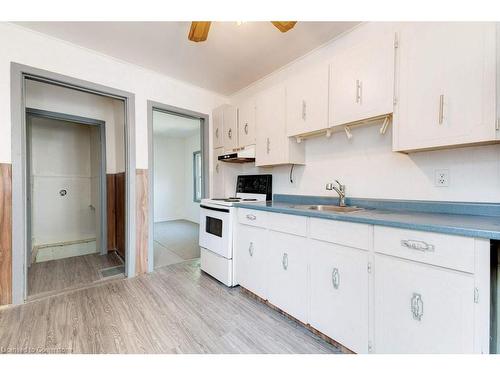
(333, 208)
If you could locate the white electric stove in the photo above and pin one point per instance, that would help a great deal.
(217, 219)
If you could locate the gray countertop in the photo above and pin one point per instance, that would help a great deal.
(476, 225)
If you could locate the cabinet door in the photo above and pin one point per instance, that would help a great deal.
(271, 146)
(217, 134)
(287, 274)
(230, 126)
(446, 89)
(250, 259)
(307, 101)
(339, 293)
(217, 175)
(421, 308)
(246, 123)
(362, 81)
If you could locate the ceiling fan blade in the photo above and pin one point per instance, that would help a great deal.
(199, 31)
(284, 26)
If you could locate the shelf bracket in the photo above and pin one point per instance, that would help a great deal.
(385, 125)
(298, 139)
(348, 133)
(328, 133)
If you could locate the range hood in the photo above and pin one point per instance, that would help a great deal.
(241, 155)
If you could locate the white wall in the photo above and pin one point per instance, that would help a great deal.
(173, 178)
(63, 100)
(31, 48)
(366, 164)
(61, 160)
(169, 178)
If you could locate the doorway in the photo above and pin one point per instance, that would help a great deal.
(178, 161)
(67, 218)
(86, 95)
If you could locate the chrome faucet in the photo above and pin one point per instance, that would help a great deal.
(340, 191)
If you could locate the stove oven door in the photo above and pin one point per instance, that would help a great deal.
(216, 229)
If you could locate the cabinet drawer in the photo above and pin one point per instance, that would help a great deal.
(252, 217)
(342, 233)
(292, 224)
(455, 252)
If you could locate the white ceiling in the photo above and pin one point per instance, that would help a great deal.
(174, 126)
(233, 56)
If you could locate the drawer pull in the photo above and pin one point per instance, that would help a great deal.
(417, 306)
(335, 278)
(417, 245)
(284, 261)
(251, 217)
(250, 249)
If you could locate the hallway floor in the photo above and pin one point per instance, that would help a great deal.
(175, 241)
(57, 275)
(175, 309)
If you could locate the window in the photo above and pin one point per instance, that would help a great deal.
(197, 176)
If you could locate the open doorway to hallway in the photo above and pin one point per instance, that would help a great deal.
(75, 188)
(178, 187)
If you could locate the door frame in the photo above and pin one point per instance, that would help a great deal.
(19, 74)
(78, 120)
(204, 148)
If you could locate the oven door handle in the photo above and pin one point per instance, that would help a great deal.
(214, 209)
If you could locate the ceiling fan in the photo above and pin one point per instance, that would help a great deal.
(199, 29)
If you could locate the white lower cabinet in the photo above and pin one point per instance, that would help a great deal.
(339, 293)
(371, 288)
(421, 308)
(287, 273)
(251, 259)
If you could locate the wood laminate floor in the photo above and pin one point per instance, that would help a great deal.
(175, 241)
(176, 309)
(56, 275)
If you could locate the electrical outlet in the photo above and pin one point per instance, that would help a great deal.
(441, 177)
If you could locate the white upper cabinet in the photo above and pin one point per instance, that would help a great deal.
(362, 80)
(246, 123)
(217, 174)
(273, 147)
(230, 126)
(217, 131)
(307, 101)
(446, 92)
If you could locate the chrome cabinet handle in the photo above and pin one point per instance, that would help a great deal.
(335, 278)
(230, 133)
(217, 133)
(441, 108)
(417, 245)
(251, 217)
(268, 146)
(246, 128)
(284, 261)
(358, 91)
(250, 249)
(417, 306)
(304, 110)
